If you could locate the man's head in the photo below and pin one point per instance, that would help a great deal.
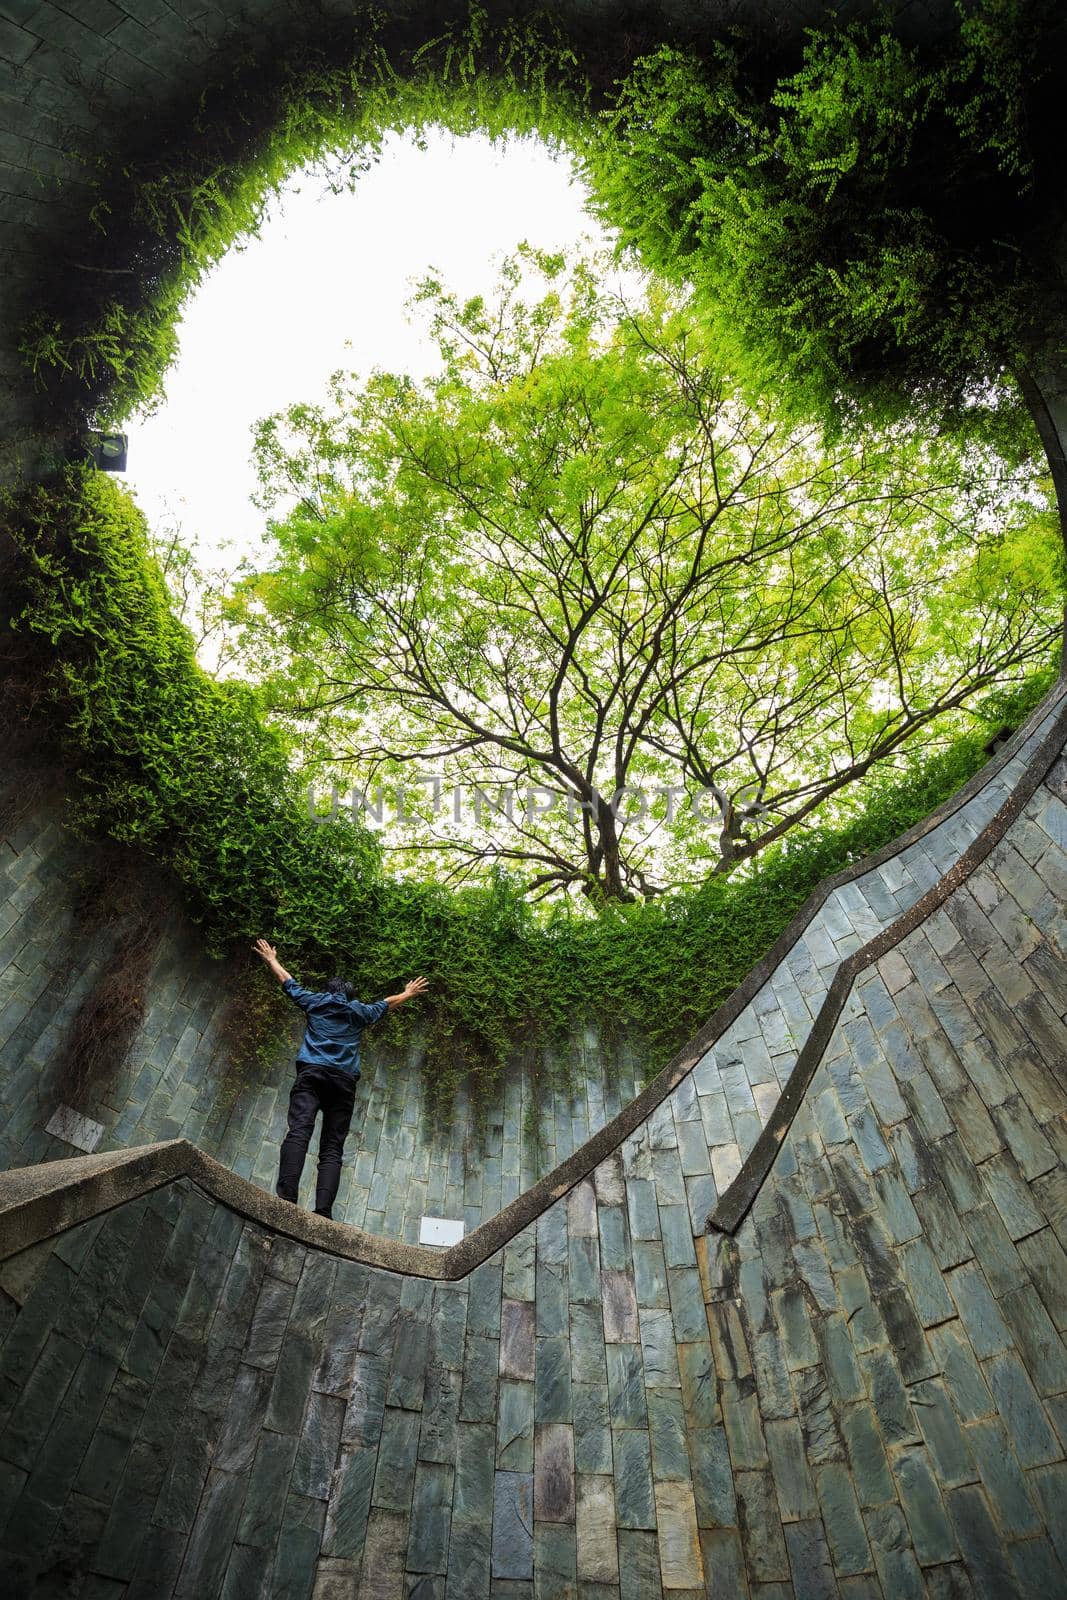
(340, 986)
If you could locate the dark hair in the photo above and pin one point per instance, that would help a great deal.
(342, 987)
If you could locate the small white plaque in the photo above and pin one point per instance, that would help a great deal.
(440, 1230)
(70, 1126)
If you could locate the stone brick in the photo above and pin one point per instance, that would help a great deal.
(639, 1570)
(555, 1562)
(588, 1363)
(842, 1519)
(554, 1473)
(978, 1311)
(1021, 1411)
(1037, 1340)
(955, 1355)
(724, 1564)
(382, 1569)
(478, 1396)
(1000, 1261)
(431, 1517)
(592, 1434)
(513, 1521)
(626, 1386)
(1011, 1195)
(635, 1499)
(650, 1274)
(212, 1535)
(681, 1562)
(620, 1307)
(1003, 1480)
(659, 1349)
(265, 1495)
(320, 1438)
(741, 1416)
(893, 1557)
(982, 1549)
(700, 1388)
(394, 1477)
(515, 1427)
(667, 1434)
(596, 1530)
(349, 1505)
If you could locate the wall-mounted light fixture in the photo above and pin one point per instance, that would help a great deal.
(107, 451)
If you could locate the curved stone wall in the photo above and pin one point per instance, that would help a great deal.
(863, 1392)
(176, 1082)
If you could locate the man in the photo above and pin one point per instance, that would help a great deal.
(327, 1068)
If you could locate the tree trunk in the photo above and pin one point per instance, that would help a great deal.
(611, 865)
(1044, 388)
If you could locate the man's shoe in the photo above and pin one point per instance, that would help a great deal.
(327, 1213)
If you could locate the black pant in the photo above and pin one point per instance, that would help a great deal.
(334, 1093)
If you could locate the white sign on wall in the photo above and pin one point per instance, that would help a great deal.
(440, 1230)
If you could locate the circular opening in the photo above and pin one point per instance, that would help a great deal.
(176, 218)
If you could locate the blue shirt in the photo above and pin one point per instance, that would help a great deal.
(334, 1024)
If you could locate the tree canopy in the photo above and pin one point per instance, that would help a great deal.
(647, 628)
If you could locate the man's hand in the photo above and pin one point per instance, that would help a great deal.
(408, 992)
(268, 953)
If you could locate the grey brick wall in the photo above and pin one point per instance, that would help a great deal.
(176, 1079)
(864, 1393)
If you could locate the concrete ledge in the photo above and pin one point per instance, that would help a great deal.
(730, 1212)
(37, 1202)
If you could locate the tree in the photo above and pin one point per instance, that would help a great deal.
(576, 560)
(199, 595)
(872, 223)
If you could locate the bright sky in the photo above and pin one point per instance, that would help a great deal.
(324, 287)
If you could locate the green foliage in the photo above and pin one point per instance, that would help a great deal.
(574, 564)
(837, 215)
(168, 759)
(183, 767)
(804, 203)
(104, 338)
(835, 211)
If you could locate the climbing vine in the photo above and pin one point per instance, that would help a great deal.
(864, 224)
(780, 186)
(164, 758)
(103, 337)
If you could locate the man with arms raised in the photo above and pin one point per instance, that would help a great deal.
(327, 1069)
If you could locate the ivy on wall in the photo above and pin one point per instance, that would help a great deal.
(103, 336)
(873, 222)
(756, 164)
(164, 758)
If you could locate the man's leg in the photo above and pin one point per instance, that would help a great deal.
(337, 1106)
(303, 1105)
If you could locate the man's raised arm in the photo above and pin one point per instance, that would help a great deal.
(409, 991)
(270, 956)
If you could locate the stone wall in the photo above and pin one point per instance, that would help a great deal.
(177, 1082)
(863, 1393)
(98, 76)
(401, 1164)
